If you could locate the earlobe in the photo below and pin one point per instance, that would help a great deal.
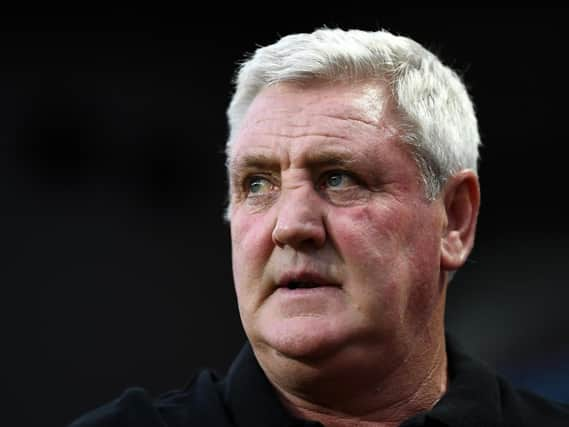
(461, 196)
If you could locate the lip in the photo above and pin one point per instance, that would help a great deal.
(306, 276)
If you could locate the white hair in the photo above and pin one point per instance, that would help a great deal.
(432, 106)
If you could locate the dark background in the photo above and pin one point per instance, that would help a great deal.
(115, 259)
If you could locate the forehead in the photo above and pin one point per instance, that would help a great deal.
(299, 102)
(295, 118)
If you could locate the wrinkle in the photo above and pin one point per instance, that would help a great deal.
(353, 119)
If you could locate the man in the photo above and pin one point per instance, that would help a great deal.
(352, 163)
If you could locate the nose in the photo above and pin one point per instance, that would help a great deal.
(300, 220)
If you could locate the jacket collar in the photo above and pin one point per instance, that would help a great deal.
(472, 399)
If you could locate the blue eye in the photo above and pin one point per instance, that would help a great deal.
(338, 179)
(258, 184)
(335, 179)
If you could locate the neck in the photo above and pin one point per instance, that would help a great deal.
(365, 394)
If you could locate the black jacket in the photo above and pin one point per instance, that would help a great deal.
(476, 397)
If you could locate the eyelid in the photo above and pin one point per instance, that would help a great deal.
(253, 176)
(349, 175)
(257, 175)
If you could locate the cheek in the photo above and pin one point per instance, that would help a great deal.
(396, 249)
(365, 238)
(251, 244)
(370, 232)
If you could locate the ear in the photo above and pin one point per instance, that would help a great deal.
(461, 196)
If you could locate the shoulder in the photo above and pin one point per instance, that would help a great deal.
(134, 404)
(530, 408)
(199, 403)
(477, 393)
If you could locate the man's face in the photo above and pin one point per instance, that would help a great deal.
(334, 243)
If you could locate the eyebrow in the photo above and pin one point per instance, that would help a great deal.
(318, 159)
(330, 158)
(254, 161)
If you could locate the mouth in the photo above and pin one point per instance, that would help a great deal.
(305, 281)
(301, 285)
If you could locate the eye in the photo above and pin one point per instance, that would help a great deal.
(258, 185)
(338, 179)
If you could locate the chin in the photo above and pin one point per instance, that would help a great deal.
(304, 337)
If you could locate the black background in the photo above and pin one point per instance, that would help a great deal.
(115, 258)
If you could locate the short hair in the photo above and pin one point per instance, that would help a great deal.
(432, 107)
